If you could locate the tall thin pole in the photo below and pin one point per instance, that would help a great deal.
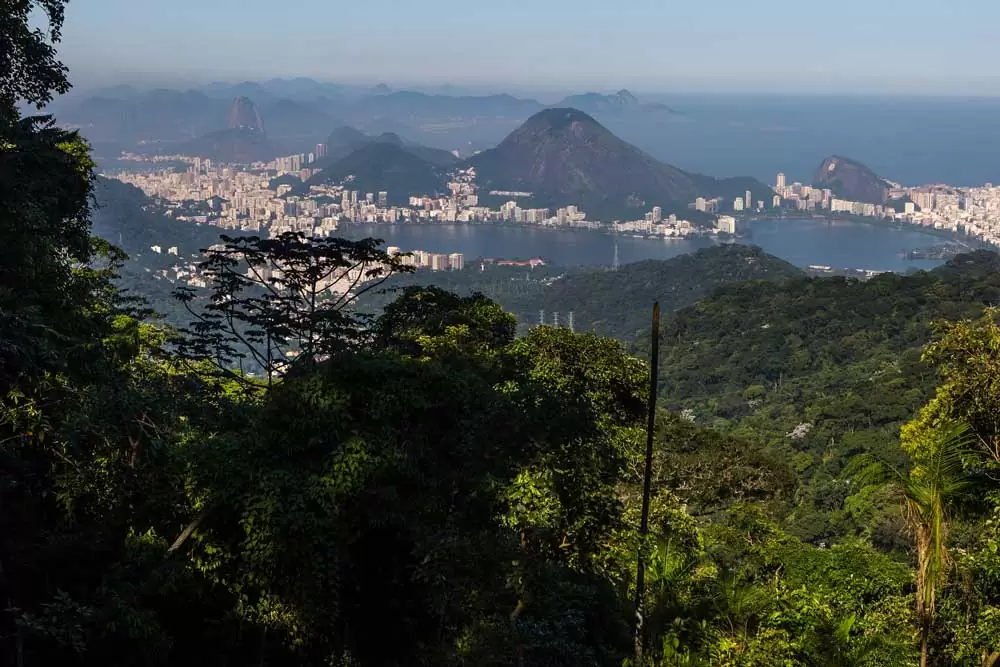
(647, 483)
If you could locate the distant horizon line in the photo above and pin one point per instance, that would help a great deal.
(522, 91)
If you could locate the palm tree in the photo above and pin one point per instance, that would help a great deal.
(927, 493)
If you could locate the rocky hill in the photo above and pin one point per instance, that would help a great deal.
(563, 156)
(621, 103)
(244, 115)
(345, 140)
(384, 165)
(851, 180)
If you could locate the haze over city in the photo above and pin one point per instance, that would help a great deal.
(719, 45)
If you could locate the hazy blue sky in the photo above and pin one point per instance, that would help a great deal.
(936, 46)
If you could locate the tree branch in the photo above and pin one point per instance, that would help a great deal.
(188, 531)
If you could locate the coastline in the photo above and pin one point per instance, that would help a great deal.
(968, 242)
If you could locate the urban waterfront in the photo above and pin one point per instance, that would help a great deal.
(838, 244)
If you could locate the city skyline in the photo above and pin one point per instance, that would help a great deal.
(852, 48)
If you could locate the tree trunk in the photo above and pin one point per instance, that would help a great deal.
(647, 480)
(516, 613)
(188, 531)
(924, 641)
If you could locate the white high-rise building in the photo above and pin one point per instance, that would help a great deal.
(726, 223)
(780, 181)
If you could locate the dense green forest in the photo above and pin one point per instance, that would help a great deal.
(422, 486)
(835, 361)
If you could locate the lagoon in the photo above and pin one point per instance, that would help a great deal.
(841, 244)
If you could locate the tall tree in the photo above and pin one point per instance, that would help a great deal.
(927, 495)
(278, 303)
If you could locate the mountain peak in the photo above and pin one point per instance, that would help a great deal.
(851, 180)
(243, 114)
(390, 138)
(626, 98)
(558, 118)
(563, 156)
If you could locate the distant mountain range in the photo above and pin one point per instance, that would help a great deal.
(163, 119)
(561, 156)
(298, 113)
(621, 103)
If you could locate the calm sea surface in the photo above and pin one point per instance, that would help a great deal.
(841, 244)
(911, 140)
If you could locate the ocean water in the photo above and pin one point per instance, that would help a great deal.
(911, 140)
(840, 244)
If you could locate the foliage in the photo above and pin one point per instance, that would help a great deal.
(29, 70)
(967, 355)
(419, 486)
(927, 494)
(595, 295)
(280, 302)
(816, 371)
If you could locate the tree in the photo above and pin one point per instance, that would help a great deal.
(280, 303)
(927, 495)
(423, 320)
(29, 70)
(967, 354)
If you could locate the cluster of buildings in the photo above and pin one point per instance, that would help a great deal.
(799, 197)
(421, 259)
(276, 197)
(973, 211)
(184, 270)
(738, 205)
(654, 224)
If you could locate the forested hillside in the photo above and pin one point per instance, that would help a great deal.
(421, 486)
(818, 370)
(606, 302)
(124, 216)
